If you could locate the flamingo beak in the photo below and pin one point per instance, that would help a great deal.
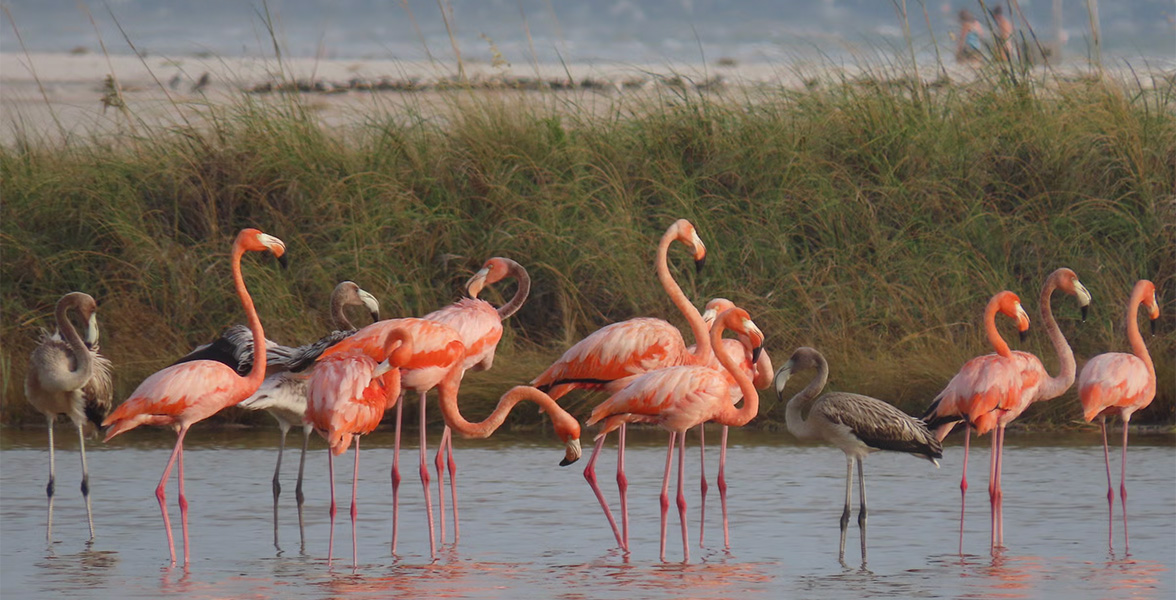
(1024, 334)
(477, 282)
(285, 262)
(92, 331)
(371, 303)
(709, 317)
(1153, 327)
(755, 354)
(572, 453)
(781, 378)
(698, 264)
(1085, 310)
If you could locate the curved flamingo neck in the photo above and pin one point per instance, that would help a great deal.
(793, 411)
(998, 343)
(483, 429)
(524, 289)
(730, 415)
(702, 341)
(1138, 348)
(69, 333)
(338, 315)
(257, 371)
(1053, 387)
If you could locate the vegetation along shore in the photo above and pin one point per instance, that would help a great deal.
(871, 218)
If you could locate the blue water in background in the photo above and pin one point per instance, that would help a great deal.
(574, 31)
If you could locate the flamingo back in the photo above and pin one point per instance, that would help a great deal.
(344, 399)
(180, 394)
(477, 324)
(1115, 382)
(676, 398)
(616, 351)
(984, 387)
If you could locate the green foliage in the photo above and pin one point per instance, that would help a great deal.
(871, 221)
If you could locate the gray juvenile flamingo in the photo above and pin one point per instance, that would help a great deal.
(856, 424)
(68, 376)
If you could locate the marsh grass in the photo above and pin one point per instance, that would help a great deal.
(870, 217)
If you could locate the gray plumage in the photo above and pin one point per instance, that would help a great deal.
(856, 424)
(68, 376)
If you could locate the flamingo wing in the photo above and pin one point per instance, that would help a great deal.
(879, 425)
(189, 391)
(346, 397)
(477, 324)
(616, 351)
(283, 394)
(677, 398)
(983, 385)
(1112, 382)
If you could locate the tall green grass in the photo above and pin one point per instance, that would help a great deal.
(870, 218)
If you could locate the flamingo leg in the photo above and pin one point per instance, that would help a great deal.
(993, 486)
(999, 489)
(964, 480)
(665, 495)
(590, 476)
(623, 487)
(439, 462)
(862, 511)
(845, 513)
(183, 501)
(298, 495)
(1123, 487)
(86, 481)
(396, 474)
(50, 488)
(702, 484)
(354, 507)
(453, 486)
(161, 495)
(331, 476)
(1102, 423)
(424, 470)
(277, 487)
(682, 496)
(722, 485)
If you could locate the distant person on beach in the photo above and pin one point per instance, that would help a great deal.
(1003, 45)
(968, 41)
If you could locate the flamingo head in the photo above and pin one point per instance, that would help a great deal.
(568, 430)
(88, 310)
(802, 358)
(1010, 305)
(348, 293)
(256, 241)
(737, 320)
(1068, 282)
(493, 271)
(714, 308)
(684, 232)
(398, 347)
(1148, 293)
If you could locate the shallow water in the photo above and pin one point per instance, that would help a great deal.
(532, 529)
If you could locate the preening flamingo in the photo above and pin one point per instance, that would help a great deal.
(347, 395)
(68, 376)
(678, 398)
(1121, 383)
(760, 373)
(858, 425)
(186, 393)
(480, 326)
(621, 350)
(437, 361)
(984, 388)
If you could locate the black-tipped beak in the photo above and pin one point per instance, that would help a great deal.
(755, 354)
(565, 462)
(1085, 310)
(285, 262)
(1153, 327)
(375, 316)
(698, 264)
(1024, 335)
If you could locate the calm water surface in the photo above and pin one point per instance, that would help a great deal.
(533, 529)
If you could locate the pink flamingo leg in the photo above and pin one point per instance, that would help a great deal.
(992, 487)
(722, 484)
(682, 496)
(183, 502)
(453, 486)
(964, 480)
(331, 476)
(354, 507)
(999, 489)
(161, 494)
(1123, 487)
(665, 496)
(590, 476)
(623, 487)
(702, 484)
(1110, 487)
(424, 470)
(396, 474)
(439, 463)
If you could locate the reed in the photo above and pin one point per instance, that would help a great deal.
(871, 218)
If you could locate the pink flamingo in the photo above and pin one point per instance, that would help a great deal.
(984, 387)
(189, 392)
(615, 352)
(479, 325)
(438, 358)
(678, 398)
(760, 373)
(347, 395)
(1121, 383)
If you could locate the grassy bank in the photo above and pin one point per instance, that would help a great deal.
(870, 220)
